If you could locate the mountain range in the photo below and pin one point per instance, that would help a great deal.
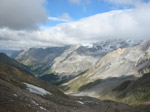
(22, 92)
(65, 63)
(119, 67)
(117, 70)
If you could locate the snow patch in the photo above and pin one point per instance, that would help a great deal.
(15, 95)
(80, 102)
(37, 90)
(34, 102)
(42, 108)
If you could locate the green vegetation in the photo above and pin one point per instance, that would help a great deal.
(90, 85)
(132, 92)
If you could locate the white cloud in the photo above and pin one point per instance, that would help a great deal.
(64, 17)
(131, 23)
(22, 14)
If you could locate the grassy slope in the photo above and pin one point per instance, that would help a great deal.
(132, 92)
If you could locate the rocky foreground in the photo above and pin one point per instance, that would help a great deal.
(20, 92)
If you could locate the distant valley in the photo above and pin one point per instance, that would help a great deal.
(115, 70)
(61, 64)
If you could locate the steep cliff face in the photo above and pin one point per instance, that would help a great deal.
(113, 69)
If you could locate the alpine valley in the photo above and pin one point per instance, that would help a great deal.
(58, 65)
(107, 76)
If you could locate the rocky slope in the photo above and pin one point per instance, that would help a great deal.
(14, 63)
(21, 92)
(72, 62)
(61, 64)
(40, 59)
(143, 64)
(81, 58)
(111, 70)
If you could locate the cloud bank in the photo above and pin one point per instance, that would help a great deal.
(22, 14)
(129, 23)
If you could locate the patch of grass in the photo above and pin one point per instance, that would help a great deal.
(107, 98)
(76, 84)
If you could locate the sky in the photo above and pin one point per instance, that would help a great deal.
(45, 23)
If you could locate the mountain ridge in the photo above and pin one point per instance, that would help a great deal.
(22, 92)
(13, 62)
(71, 61)
(121, 62)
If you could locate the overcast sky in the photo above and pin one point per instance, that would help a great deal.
(41, 23)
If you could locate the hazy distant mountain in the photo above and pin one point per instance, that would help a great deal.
(21, 92)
